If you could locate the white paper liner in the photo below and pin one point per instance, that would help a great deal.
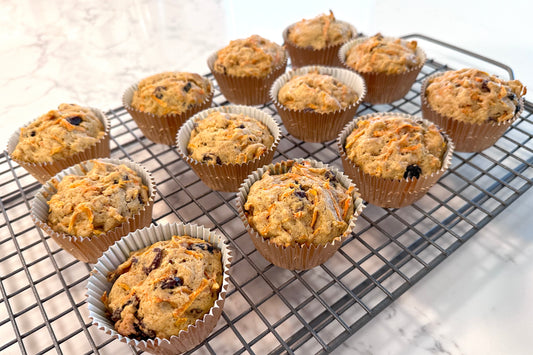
(302, 56)
(227, 177)
(296, 257)
(44, 171)
(316, 126)
(246, 90)
(120, 251)
(89, 249)
(391, 193)
(467, 136)
(382, 87)
(162, 129)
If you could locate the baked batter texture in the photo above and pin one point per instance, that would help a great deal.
(320, 32)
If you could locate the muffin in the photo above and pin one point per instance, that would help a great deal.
(161, 288)
(246, 68)
(315, 102)
(160, 103)
(389, 65)
(317, 41)
(394, 158)
(298, 212)
(474, 107)
(59, 139)
(225, 144)
(87, 207)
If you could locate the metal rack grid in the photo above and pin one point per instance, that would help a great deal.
(268, 309)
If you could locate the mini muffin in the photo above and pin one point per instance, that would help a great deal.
(388, 65)
(87, 207)
(160, 103)
(59, 139)
(474, 107)
(317, 41)
(225, 144)
(394, 158)
(161, 288)
(298, 212)
(315, 102)
(246, 68)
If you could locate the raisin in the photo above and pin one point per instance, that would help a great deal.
(511, 96)
(158, 91)
(155, 263)
(134, 260)
(219, 161)
(484, 86)
(187, 87)
(115, 181)
(140, 198)
(32, 133)
(200, 246)
(330, 176)
(412, 171)
(144, 332)
(241, 126)
(517, 108)
(125, 178)
(308, 109)
(300, 194)
(492, 119)
(172, 283)
(75, 120)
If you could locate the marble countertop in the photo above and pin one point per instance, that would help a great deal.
(476, 302)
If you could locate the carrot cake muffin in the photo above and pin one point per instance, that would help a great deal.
(383, 55)
(305, 205)
(162, 289)
(473, 96)
(252, 56)
(97, 202)
(170, 93)
(320, 32)
(316, 92)
(395, 147)
(58, 134)
(228, 138)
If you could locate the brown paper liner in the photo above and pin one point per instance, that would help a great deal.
(119, 252)
(316, 126)
(162, 129)
(467, 136)
(89, 249)
(390, 193)
(295, 257)
(44, 171)
(384, 88)
(245, 90)
(302, 56)
(227, 177)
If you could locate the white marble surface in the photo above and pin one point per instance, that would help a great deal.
(476, 302)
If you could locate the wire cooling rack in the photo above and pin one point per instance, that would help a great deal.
(267, 309)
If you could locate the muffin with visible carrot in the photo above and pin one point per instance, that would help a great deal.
(160, 103)
(246, 68)
(389, 65)
(59, 139)
(317, 41)
(474, 107)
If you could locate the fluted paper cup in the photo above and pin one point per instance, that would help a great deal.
(120, 251)
(89, 249)
(245, 90)
(227, 177)
(302, 56)
(44, 171)
(384, 88)
(295, 257)
(311, 126)
(162, 129)
(384, 192)
(467, 136)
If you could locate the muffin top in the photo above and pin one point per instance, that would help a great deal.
(170, 93)
(58, 134)
(305, 205)
(395, 147)
(94, 203)
(320, 32)
(316, 92)
(383, 55)
(473, 96)
(164, 288)
(228, 138)
(252, 56)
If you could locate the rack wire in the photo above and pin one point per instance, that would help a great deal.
(268, 309)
